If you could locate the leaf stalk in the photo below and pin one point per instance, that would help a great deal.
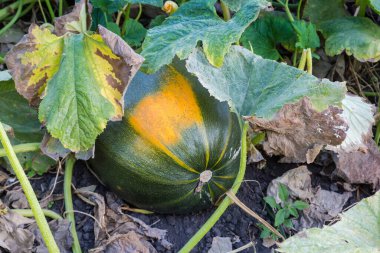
(22, 148)
(42, 224)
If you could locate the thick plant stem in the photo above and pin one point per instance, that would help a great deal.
(42, 224)
(226, 201)
(29, 213)
(363, 7)
(22, 148)
(309, 60)
(60, 8)
(14, 19)
(69, 208)
(225, 10)
(6, 11)
(302, 63)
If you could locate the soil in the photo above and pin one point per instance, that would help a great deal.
(237, 225)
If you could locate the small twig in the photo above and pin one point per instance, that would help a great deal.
(248, 245)
(246, 209)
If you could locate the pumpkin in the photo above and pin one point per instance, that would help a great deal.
(176, 149)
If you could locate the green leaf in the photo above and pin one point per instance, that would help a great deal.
(135, 33)
(357, 231)
(293, 212)
(255, 86)
(268, 32)
(300, 205)
(280, 217)
(265, 232)
(307, 36)
(288, 223)
(16, 112)
(356, 36)
(283, 192)
(196, 21)
(113, 27)
(318, 11)
(271, 202)
(158, 20)
(81, 83)
(375, 5)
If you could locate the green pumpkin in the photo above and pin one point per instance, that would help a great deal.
(173, 136)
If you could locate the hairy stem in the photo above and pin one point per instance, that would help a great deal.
(363, 7)
(50, 9)
(226, 201)
(309, 60)
(42, 11)
(29, 213)
(302, 63)
(42, 224)
(69, 207)
(299, 9)
(14, 19)
(225, 10)
(22, 148)
(10, 9)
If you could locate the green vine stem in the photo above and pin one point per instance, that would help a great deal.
(14, 19)
(126, 17)
(29, 213)
(309, 61)
(60, 8)
(50, 9)
(42, 11)
(299, 9)
(226, 201)
(302, 63)
(225, 10)
(7, 11)
(1, 60)
(287, 10)
(362, 7)
(69, 208)
(29, 193)
(139, 13)
(22, 148)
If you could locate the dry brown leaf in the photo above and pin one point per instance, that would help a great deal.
(13, 235)
(361, 166)
(298, 132)
(3, 177)
(16, 199)
(61, 233)
(220, 245)
(118, 232)
(60, 27)
(297, 180)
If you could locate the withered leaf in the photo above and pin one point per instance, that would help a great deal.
(361, 166)
(298, 132)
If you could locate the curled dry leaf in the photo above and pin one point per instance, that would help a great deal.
(117, 232)
(68, 23)
(14, 237)
(16, 199)
(299, 132)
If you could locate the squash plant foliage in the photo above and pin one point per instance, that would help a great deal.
(172, 129)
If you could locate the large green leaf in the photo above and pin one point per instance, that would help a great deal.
(81, 83)
(358, 231)
(267, 32)
(195, 21)
(135, 33)
(375, 5)
(16, 112)
(358, 36)
(261, 87)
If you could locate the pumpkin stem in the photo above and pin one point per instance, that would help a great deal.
(204, 178)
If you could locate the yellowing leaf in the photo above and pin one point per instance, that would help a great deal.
(80, 78)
